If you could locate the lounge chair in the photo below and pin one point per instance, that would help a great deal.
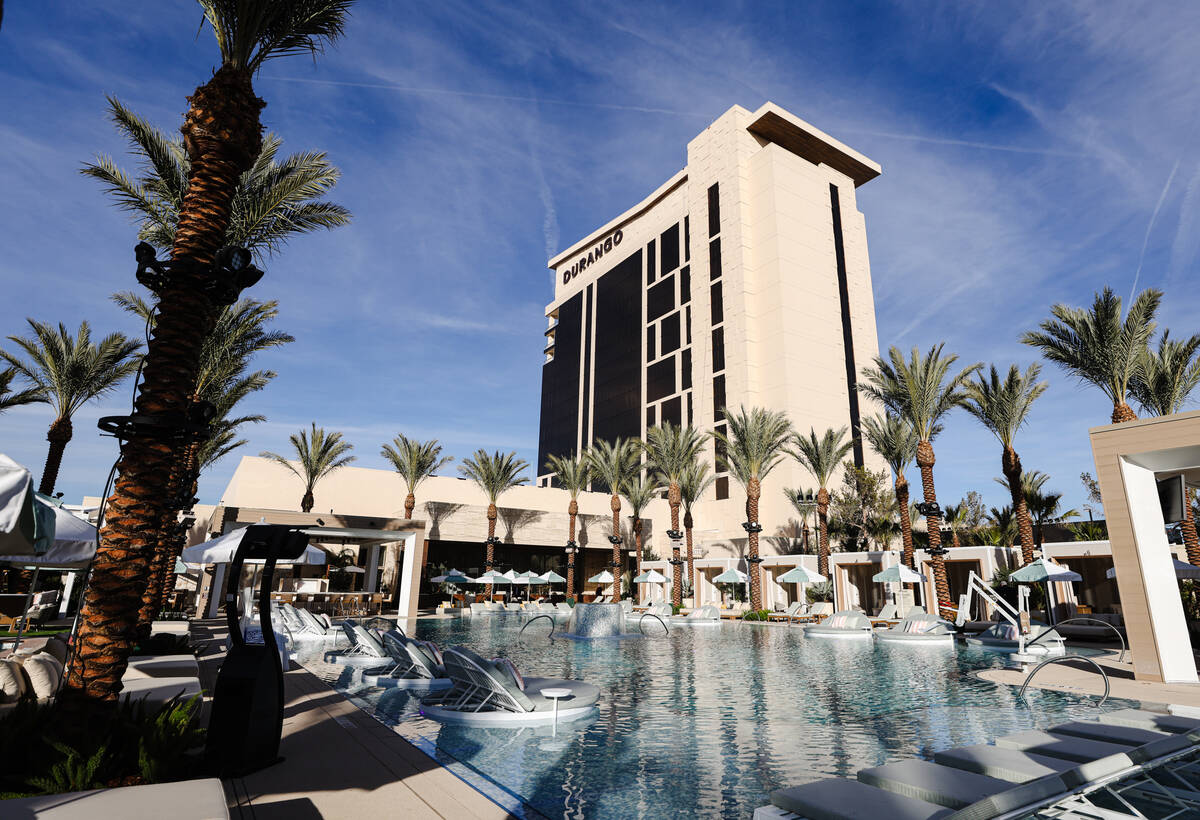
(1003, 637)
(887, 615)
(366, 649)
(493, 693)
(844, 624)
(703, 616)
(795, 609)
(976, 782)
(419, 664)
(918, 627)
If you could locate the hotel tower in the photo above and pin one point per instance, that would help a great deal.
(743, 280)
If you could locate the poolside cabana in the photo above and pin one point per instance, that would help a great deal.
(779, 594)
(852, 574)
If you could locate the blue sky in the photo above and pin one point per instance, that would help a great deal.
(1032, 153)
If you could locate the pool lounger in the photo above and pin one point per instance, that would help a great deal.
(975, 782)
(919, 628)
(492, 693)
(844, 624)
(300, 624)
(702, 616)
(366, 650)
(1002, 637)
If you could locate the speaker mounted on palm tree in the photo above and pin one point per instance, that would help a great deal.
(223, 280)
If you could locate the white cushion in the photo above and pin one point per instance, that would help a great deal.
(12, 682)
(43, 670)
(56, 648)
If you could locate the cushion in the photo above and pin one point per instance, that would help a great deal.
(505, 665)
(841, 799)
(44, 671)
(433, 650)
(12, 682)
(57, 648)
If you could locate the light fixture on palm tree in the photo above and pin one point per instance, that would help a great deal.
(230, 273)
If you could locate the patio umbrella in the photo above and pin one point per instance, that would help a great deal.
(451, 577)
(604, 577)
(493, 577)
(221, 551)
(898, 574)
(651, 577)
(1183, 571)
(801, 575)
(731, 576)
(1045, 572)
(24, 526)
(552, 577)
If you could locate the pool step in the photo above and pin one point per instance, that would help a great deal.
(1076, 749)
(1006, 764)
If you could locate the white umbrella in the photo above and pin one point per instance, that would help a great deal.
(604, 577)
(801, 575)
(897, 574)
(20, 527)
(1183, 571)
(552, 577)
(221, 551)
(73, 547)
(451, 577)
(1043, 571)
(493, 577)
(731, 576)
(651, 577)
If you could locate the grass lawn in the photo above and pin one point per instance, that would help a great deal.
(36, 633)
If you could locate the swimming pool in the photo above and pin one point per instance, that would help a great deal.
(706, 723)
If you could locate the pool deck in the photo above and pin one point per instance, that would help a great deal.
(338, 761)
(1081, 677)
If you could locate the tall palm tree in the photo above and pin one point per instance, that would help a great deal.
(615, 464)
(224, 380)
(415, 461)
(753, 447)
(573, 473)
(222, 136)
(274, 201)
(955, 516)
(317, 455)
(799, 498)
(921, 391)
(67, 371)
(695, 483)
(1002, 520)
(494, 473)
(1002, 406)
(821, 457)
(9, 397)
(1045, 507)
(639, 491)
(672, 450)
(1165, 382)
(1097, 346)
(896, 442)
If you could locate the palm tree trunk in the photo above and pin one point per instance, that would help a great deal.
(307, 501)
(906, 539)
(58, 435)
(674, 499)
(490, 553)
(1010, 464)
(823, 531)
(572, 512)
(1122, 413)
(1188, 527)
(410, 503)
(688, 523)
(615, 504)
(753, 491)
(941, 584)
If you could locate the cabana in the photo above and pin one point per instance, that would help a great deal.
(1043, 571)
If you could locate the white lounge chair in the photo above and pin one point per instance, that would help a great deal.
(419, 664)
(795, 609)
(1003, 637)
(919, 628)
(493, 693)
(702, 616)
(844, 624)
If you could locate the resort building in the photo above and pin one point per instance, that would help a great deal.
(743, 280)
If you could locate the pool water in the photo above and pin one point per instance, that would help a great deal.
(707, 722)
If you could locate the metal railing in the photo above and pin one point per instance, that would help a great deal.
(1054, 629)
(642, 629)
(536, 618)
(1060, 659)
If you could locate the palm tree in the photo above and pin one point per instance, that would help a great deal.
(66, 372)
(803, 501)
(614, 465)
(896, 442)
(222, 136)
(318, 454)
(695, 483)
(1002, 406)
(1002, 520)
(1097, 346)
(415, 461)
(1165, 382)
(573, 473)
(921, 391)
(639, 491)
(274, 200)
(954, 516)
(821, 457)
(494, 473)
(753, 447)
(672, 450)
(1044, 507)
(9, 398)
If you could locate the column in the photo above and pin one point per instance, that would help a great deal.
(372, 582)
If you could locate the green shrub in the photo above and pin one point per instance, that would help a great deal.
(675, 609)
(820, 592)
(164, 643)
(757, 615)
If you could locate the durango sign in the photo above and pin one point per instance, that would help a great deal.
(593, 255)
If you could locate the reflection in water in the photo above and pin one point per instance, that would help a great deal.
(707, 722)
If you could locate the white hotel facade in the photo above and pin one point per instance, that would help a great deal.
(743, 280)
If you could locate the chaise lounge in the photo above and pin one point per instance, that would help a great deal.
(707, 615)
(919, 627)
(845, 624)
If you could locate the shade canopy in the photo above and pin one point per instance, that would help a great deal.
(493, 577)
(552, 577)
(898, 574)
(221, 551)
(451, 577)
(731, 576)
(1183, 571)
(73, 545)
(524, 580)
(801, 575)
(604, 577)
(651, 577)
(1041, 571)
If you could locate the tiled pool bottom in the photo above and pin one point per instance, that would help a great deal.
(706, 722)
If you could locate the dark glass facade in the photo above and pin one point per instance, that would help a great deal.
(618, 354)
(847, 332)
(560, 385)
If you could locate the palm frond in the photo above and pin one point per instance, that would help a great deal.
(672, 449)
(755, 443)
(10, 398)
(639, 491)
(614, 463)
(696, 480)
(494, 473)
(920, 389)
(1167, 376)
(318, 453)
(572, 473)
(250, 33)
(1003, 405)
(414, 460)
(893, 438)
(821, 456)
